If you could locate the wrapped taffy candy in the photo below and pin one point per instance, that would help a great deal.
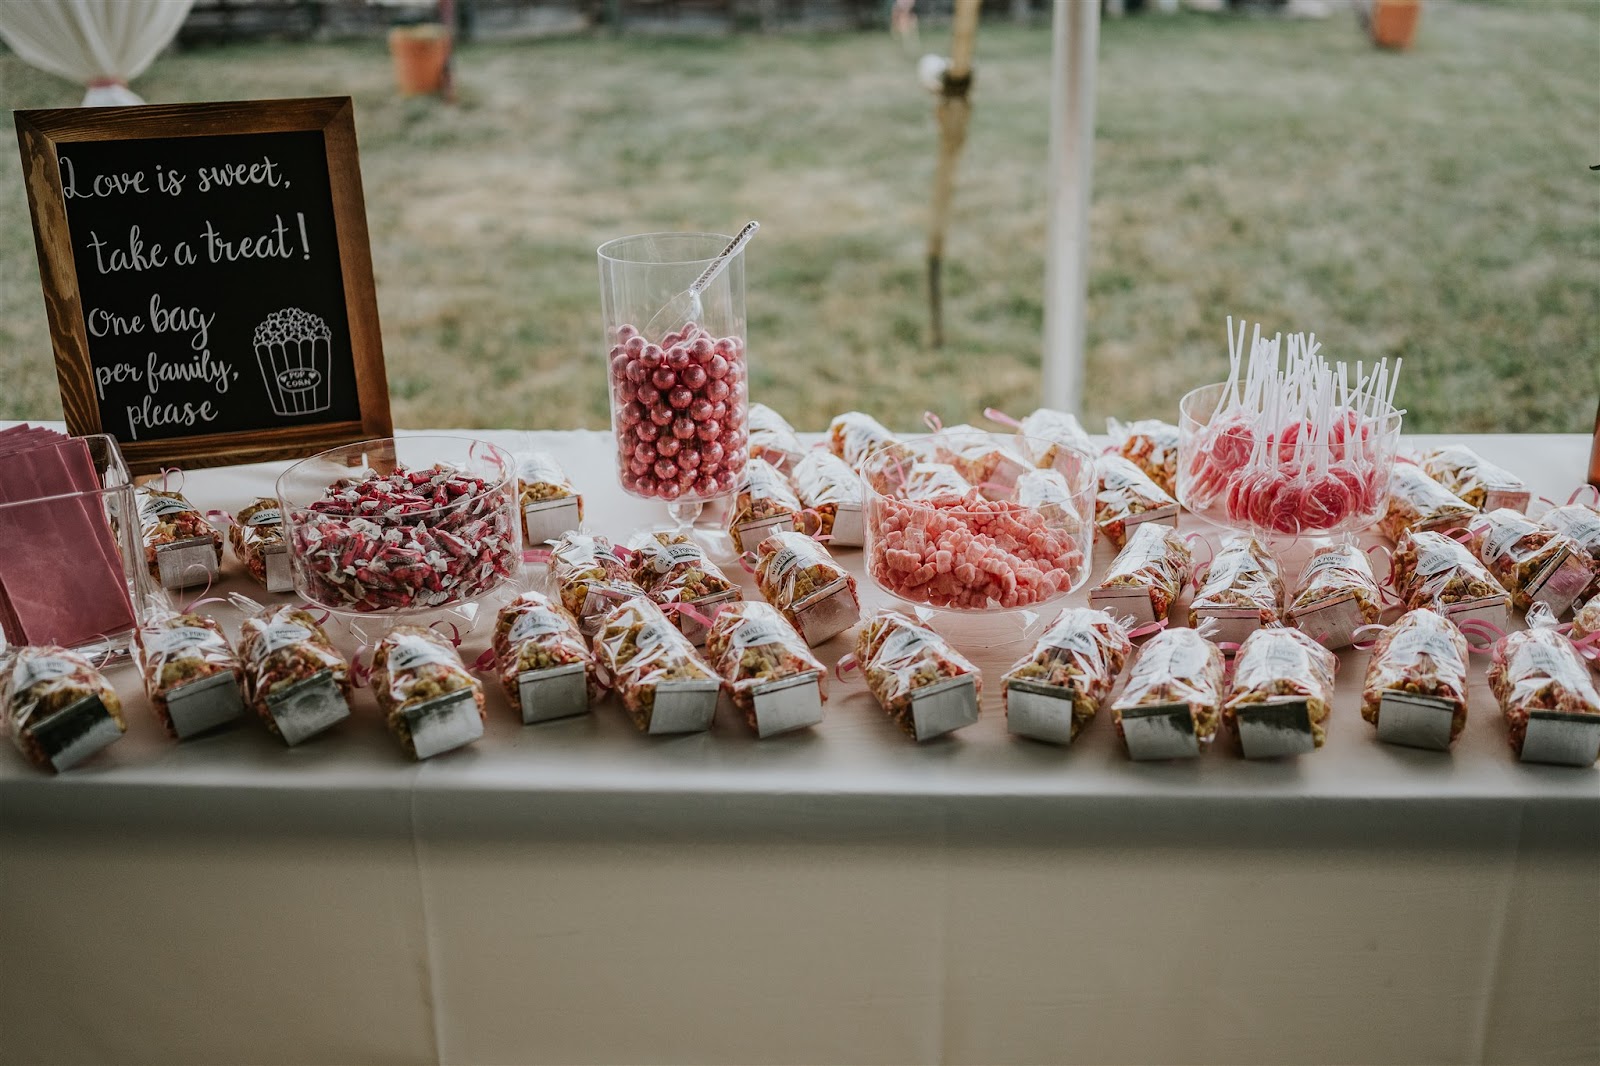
(1052, 440)
(1582, 523)
(1281, 694)
(180, 547)
(546, 499)
(1476, 480)
(773, 439)
(1431, 570)
(1128, 498)
(1147, 575)
(1172, 702)
(1241, 591)
(429, 699)
(257, 538)
(1052, 692)
(590, 577)
(664, 684)
(542, 660)
(981, 459)
(774, 679)
(1335, 596)
(1151, 445)
(1417, 502)
(1533, 563)
(923, 683)
(673, 569)
(763, 503)
(929, 482)
(797, 576)
(295, 679)
(1546, 694)
(830, 488)
(1416, 686)
(1047, 492)
(58, 708)
(192, 676)
(853, 435)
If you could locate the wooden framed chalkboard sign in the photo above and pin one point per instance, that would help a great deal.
(207, 277)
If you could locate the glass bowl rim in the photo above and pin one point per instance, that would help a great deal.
(872, 492)
(721, 240)
(293, 510)
(1389, 411)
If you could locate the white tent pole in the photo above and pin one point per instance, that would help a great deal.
(1076, 29)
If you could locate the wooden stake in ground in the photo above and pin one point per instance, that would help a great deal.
(953, 111)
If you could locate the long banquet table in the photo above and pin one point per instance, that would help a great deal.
(576, 892)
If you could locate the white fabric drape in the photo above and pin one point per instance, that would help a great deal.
(102, 44)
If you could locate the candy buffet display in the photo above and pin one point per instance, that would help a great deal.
(852, 436)
(371, 531)
(775, 681)
(674, 572)
(1532, 563)
(192, 676)
(1435, 571)
(1054, 691)
(1280, 695)
(1152, 446)
(1240, 591)
(1127, 498)
(256, 534)
(294, 678)
(773, 439)
(429, 699)
(923, 683)
(1335, 595)
(543, 663)
(1476, 480)
(57, 707)
(549, 503)
(800, 578)
(664, 684)
(1582, 523)
(1147, 576)
(590, 577)
(830, 489)
(180, 547)
(763, 503)
(1547, 695)
(1172, 702)
(1416, 686)
(1417, 502)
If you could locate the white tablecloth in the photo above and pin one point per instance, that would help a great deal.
(575, 892)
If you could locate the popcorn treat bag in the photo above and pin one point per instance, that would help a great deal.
(590, 577)
(934, 482)
(1242, 590)
(665, 686)
(1048, 440)
(1582, 524)
(297, 682)
(1586, 619)
(1416, 686)
(813, 592)
(1476, 480)
(191, 674)
(1128, 498)
(773, 439)
(1531, 562)
(1281, 693)
(429, 700)
(1335, 596)
(1432, 570)
(1147, 576)
(923, 683)
(1047, 492)
(1152, 446)
(673, 569)
(1055, 690)
(180, 547)
(1546, 694)
(542, 660)
(57, 707)
(831, 489)
(1172, 702)
(258, 541)
(546, 499)
(763, 503)
(983, 462)
(853, 435)
(772, 676)
(1417, 502)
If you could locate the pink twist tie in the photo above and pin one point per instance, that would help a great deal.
(483, 662)
(1488, 631)
(995, 415)
(845, 664)
(1147, 629)
(1359, 639)
(932, 421)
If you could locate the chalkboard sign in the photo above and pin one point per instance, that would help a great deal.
(207, 277)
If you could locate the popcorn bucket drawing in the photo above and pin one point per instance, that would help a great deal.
(293, 352)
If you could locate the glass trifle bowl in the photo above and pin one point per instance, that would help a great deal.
(679, 407)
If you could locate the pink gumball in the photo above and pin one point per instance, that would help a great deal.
(694, 377)
(634, 345)
(719, 410)
(680, 398)
(663, 379)
(717, 366)
(647, 430)
(632, 414)
(648, 395)
(666, 469)
(636, 372)
(625, 331)
(702, 349)
(710, 429)
(638, 466)
(667, 446)
(717, 391)
(668, 490)
(705, 486)
(700, 410)
(645, 453)
(682, 428)
(712, 454)
(662, 415)
(678, 357)
(627, 391)
(647, 485)
(652, 356)
(619, 364)
(727, 347)
(725, 481)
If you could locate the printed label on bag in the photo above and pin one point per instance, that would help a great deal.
(35, 669)
(409, 653)
(1333, 560)
(536, 623)
(180, 639)
(281, 635)
(160, 506)
(269, 516)
(758, 631)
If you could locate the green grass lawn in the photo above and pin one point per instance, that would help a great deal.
(1434, 205)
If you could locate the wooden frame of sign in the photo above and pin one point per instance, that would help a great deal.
(275, 407)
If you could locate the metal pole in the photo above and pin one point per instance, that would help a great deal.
(1076, 29)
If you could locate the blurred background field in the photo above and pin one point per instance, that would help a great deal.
(1435, 205)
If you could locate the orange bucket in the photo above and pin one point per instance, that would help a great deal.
(421, 54)
(1394, 22)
